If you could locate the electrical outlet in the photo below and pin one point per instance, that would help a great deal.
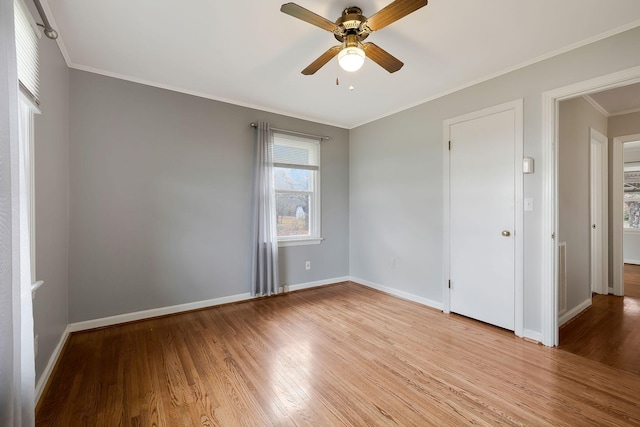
(307, 265)
(35, 345)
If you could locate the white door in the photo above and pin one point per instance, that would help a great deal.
(482, 218)
(599, 217)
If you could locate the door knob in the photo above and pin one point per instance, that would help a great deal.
(505, 233)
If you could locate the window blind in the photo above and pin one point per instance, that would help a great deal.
(295, 151)
(27, 51)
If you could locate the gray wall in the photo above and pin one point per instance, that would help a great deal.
(50, 307)
(160, 199)
(626, 124)
(631, 247)
(396, 181)
(576, 116)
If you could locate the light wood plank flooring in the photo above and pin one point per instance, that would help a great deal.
(337, 355)
(632, 281)
(609, 331)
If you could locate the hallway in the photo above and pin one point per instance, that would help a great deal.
(609, 331)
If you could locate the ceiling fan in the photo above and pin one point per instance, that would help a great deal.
(351, 29)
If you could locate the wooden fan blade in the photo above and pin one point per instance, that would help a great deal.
(392, 12)
(382, 57)
(308, 16)
(323, 59)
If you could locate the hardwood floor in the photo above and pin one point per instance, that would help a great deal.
(632, 281)
(609, 331)
(337, 355)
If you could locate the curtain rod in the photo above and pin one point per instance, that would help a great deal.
(48, 30)
(255, 125)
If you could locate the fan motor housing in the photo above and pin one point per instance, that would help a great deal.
(350, 23)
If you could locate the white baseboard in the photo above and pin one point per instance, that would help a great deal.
(155, 312)
(141, 315)
(527, 333)
(146, 314)
(631, 261)
(315, 284)
(399, 293)
(532, 335)
(44, 378)
(611, 290)
(574, 311)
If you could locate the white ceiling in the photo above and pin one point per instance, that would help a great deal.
(249, 53)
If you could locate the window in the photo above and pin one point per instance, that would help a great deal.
(27, 34)
(296, 176)
(25, 138)
(631, 200)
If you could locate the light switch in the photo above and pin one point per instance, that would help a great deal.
(528, 204)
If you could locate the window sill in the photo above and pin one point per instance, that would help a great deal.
(300, 242)
(632, 230)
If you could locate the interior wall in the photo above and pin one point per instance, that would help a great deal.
(396, 182)
(623, 125)
(8, 287)
(160, 199)
(51, 154)
(576, 116)
(631, 247)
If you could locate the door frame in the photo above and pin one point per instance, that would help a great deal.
(550, 101)
(617, 224)
(518, 107)
(599, 207)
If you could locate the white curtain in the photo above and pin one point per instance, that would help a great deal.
(17, 370)
(264, 272)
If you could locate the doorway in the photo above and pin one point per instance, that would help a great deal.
(551, 102)
(620, 231)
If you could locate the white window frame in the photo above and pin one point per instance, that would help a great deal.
(26, 118)
(315, 209)
(27, 39)
(628, 229)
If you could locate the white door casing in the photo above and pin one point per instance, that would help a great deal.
(483, 199)
(617, 223)
(599, 212)
(550, 102)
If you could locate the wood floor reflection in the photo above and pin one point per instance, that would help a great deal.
(609, 331)
(330, 356)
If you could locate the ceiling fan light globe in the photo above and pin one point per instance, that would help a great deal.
(351, 58)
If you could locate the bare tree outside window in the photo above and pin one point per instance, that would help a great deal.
(296, 180)
(631, 200)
